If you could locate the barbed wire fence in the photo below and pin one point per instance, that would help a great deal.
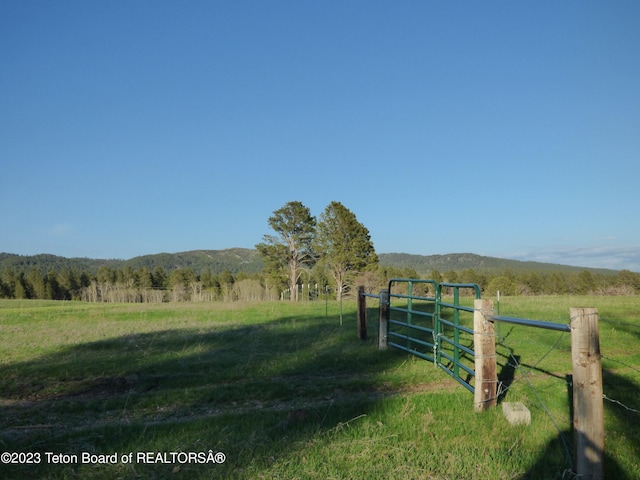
(516, 365)
(549, 361)
(523, 370)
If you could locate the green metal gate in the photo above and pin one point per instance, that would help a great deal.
(427, 319)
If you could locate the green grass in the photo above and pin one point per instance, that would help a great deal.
(287, 392)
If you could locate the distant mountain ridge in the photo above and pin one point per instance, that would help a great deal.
(425, 264)
(248, 260)
(232, 259)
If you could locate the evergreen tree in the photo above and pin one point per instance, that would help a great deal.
(182, 276)
(53, 290)
(226, 279)
(436, 275)
(471, 276)
(344, 245)
(504, 285)
(144, 279)
(585, 283)
(159, 278)
(69, 284)
(20, 291)
(4, 289)
(37, 283)
(556, 284)
(8, 280)
(450, 276)
(629, 278)
(531, 282)
(290, 250)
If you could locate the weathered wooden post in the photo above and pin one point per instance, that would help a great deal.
(588, 408)
(362, 314)
(484, 342)
(382, 325)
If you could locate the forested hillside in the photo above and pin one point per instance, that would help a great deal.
(236, 274)
(425, 264)
(44, 263)
(234, 260)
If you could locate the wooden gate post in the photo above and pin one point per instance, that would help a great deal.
(484, 343)
(362, 314)
(588, 408)
(382, 325)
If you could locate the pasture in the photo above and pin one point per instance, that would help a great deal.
(284, 391)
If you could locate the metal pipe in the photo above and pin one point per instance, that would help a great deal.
(560, 327)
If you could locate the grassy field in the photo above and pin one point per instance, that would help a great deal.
(285, 391)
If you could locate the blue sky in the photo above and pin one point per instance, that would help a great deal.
(508, 129)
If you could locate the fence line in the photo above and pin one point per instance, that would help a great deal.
(588, 420)
(525, 377)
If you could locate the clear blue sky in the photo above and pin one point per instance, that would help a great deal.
(509, 129)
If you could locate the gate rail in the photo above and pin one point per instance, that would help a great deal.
(432, 328)
(409, 329)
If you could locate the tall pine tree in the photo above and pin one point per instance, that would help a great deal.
(289, 252)
(344, 245)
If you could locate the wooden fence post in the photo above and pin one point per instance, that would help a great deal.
(382, 325)
(484, 342)
(362, 314)
(588, 408)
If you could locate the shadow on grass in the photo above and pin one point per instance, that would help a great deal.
(254, 392)
(551, 464)
(613, 324)
(622, 445)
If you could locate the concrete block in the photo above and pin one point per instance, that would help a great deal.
(516, 413)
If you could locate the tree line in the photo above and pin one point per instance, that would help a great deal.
(159, 285)
(130, 285)
(509, 283)
(181, 285)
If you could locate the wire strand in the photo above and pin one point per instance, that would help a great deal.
(517, 365)
(560, 433)
(621, 404)
(620, 362)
